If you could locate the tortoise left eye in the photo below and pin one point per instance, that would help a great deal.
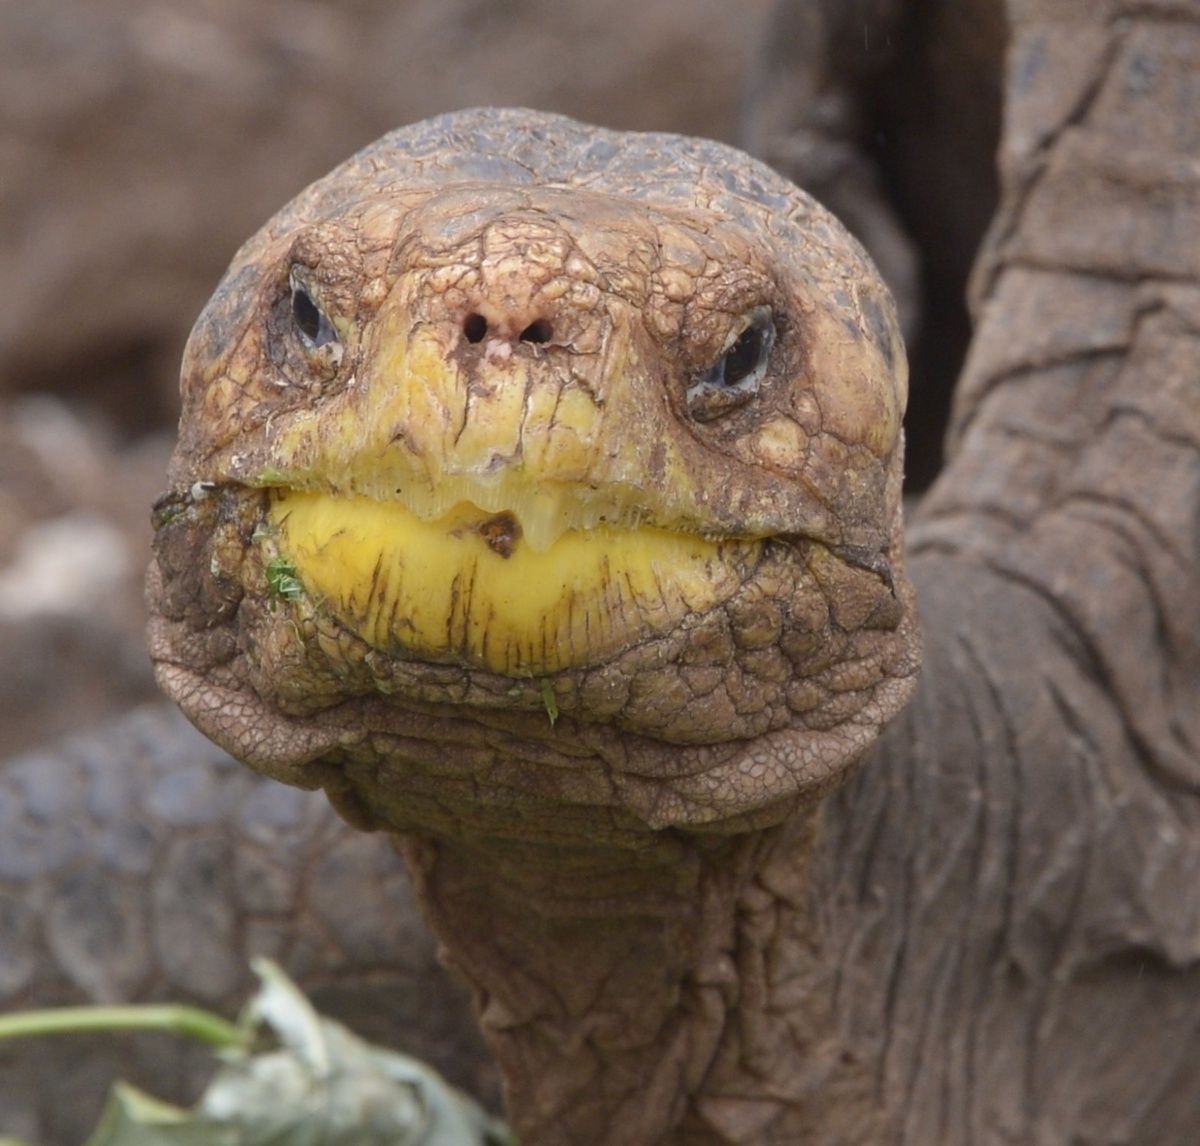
(737, 375)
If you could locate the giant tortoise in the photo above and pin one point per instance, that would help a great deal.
(538, 497)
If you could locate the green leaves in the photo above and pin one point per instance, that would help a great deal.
(132, 1118)
(282, 580)
(293, 1078)
(325, 1087)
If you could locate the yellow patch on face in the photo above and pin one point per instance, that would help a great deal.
(780, 443)
(431, 421)
(468, 588)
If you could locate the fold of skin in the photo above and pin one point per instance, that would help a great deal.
(1008, 886)
(963, 944)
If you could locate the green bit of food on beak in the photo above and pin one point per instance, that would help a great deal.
(282, 582)
(549, 700)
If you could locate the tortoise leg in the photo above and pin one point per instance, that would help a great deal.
(1034, 816)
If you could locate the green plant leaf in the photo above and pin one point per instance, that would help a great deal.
(132, 1118)
(288, 1077)
(549, 699)
(319, 1085)
(282, 580)
(323, 1086)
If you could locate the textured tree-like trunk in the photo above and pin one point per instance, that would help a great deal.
(1011, 881)
(670, 995)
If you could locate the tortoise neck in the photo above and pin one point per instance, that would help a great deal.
(674, 995)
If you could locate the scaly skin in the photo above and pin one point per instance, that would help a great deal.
(594, 800)
(1019, 940)
(991, 935)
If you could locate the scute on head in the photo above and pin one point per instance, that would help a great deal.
(690, 254)
(520, 309)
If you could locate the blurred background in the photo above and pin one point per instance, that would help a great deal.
(141, 141)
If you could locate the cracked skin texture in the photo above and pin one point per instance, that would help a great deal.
(713, 606)
(989, 933)
(463, 529)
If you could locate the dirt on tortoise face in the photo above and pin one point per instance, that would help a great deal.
(526, 467)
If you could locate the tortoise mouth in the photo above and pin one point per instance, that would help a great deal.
(469, 588)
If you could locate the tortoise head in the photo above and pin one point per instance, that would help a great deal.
(548, 462)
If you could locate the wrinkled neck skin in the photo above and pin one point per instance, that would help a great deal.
(608, 792)
(674, 995)
(634, 916)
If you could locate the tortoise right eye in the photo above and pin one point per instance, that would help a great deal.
(314, 328)
(318, 337)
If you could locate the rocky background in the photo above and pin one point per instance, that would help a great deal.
(140, 142)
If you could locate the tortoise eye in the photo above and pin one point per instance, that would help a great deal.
(314, 328)
(737, 375)
(746, 356)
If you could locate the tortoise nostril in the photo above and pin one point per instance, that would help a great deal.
(537, 331)
(475, 328)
